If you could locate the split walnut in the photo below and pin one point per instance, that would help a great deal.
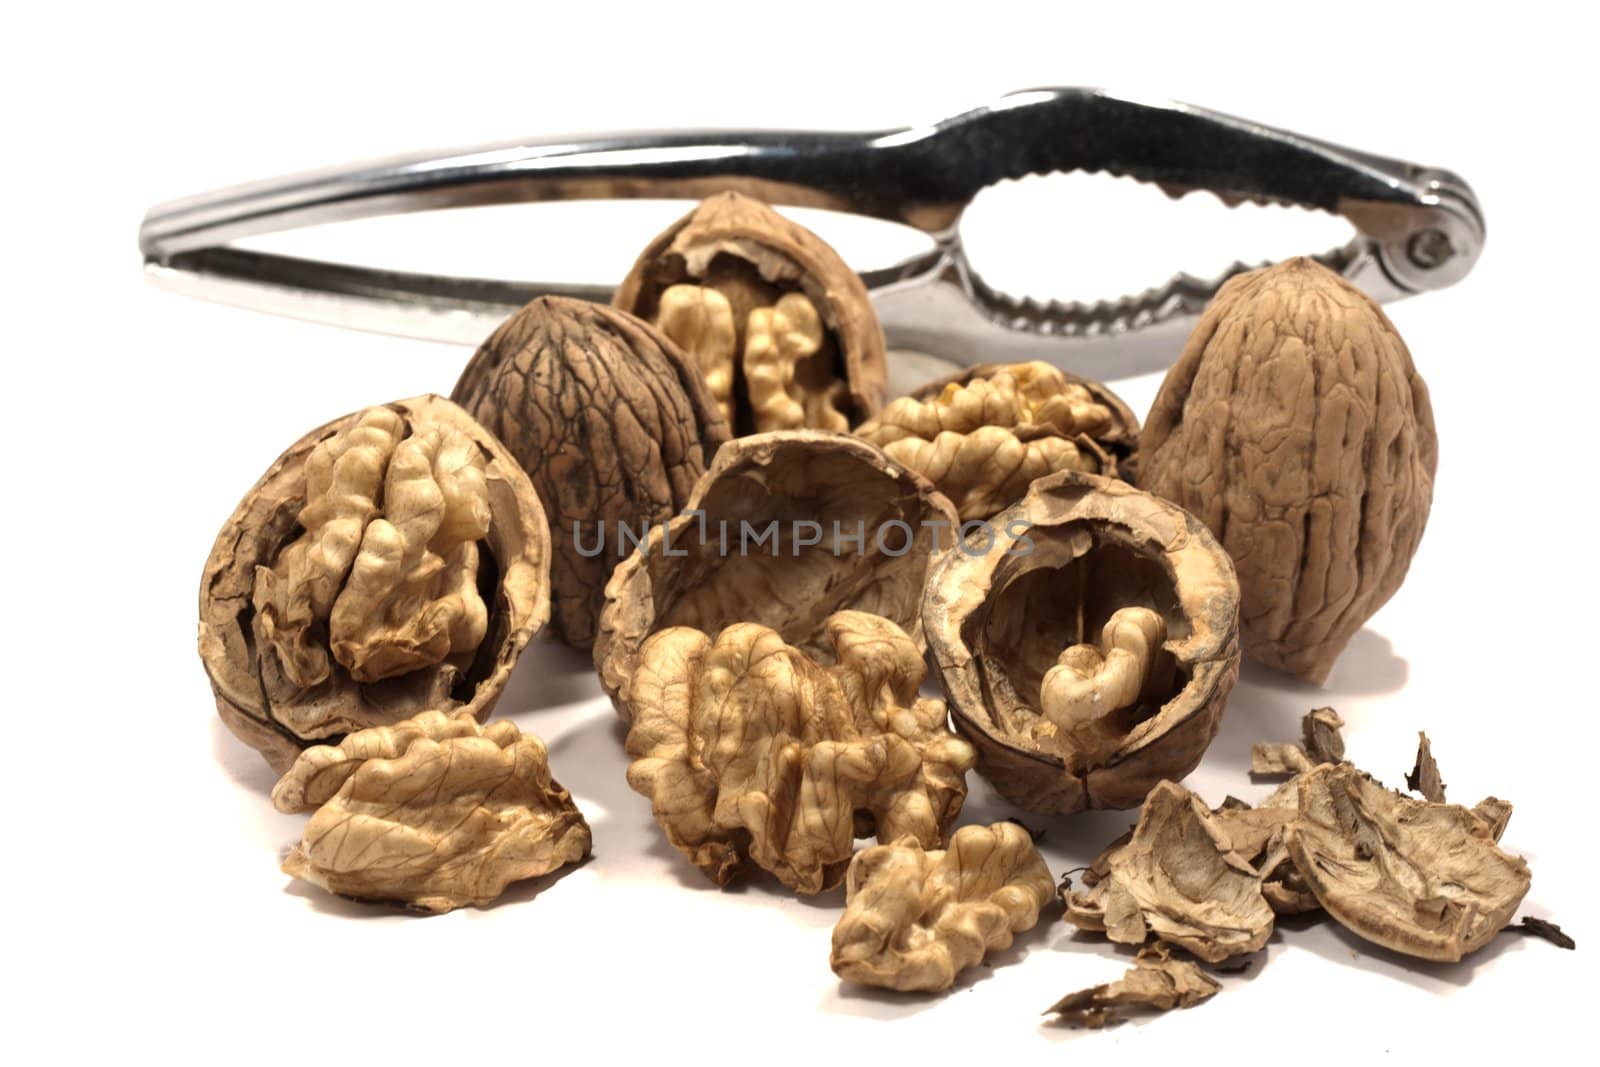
(784, 530)
(781, 328)
(754, 753)
(391, 562)
(1296, 427)
(610, 422)
(437, 813)
(915, 918)
(985, 435)
(1087, 640)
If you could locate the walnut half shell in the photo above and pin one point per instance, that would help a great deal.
(1087, 640)
(392, 562)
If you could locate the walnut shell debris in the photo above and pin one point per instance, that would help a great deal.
(1087, 641)
(985, 435)
(392, 562)
(784, 530)
(1418, 877)
(437, 814)
(610, 422)
(915, 918)
(1296, 427)
(1320, 742)
(778, 324)
(1179, 880)
(1155, 983)
(754, 753)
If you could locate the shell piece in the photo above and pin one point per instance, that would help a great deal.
(1296, 427)
(1417, 877)
(784, 530)
(753, 752)
(1179, 880)
(1050, 573)
(392, 562)
(444, 824)
(761, 265)
(915, 918)
(610, 421)
(1424, 777)
(983, 436)
(1155, 983)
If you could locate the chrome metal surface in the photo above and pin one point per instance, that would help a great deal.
(1417, 228)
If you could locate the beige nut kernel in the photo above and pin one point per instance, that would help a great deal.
(700, 320)
(787, 390)
(915, 918)
(444, 824)
(753, 753)
(1089, 684)
(986, 435)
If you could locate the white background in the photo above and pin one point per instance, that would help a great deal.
(145, 914)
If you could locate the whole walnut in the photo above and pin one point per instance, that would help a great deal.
(390, 563)
(780, 326)
(610, 422)
(1295, 427)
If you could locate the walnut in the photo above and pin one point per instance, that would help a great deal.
(1418, 877)
(1179, 880)
(436, 813)
(391, 562)
(1295, 426)
(983, 436)
(611, 423)
(753, 752)
(782, 329)
(784, 530)
(1087, 641)
(1156, 982)
(915, 918)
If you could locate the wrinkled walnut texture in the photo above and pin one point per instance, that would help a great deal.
(391, 562)
(609, 420)
(1025, 627)
(752, 752)
(1296, 427)
(444, 824)
(779, 324)
(984, 437)
(914, 918)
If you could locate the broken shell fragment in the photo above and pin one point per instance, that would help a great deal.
(1155, 983)
(915, 918)
(392, 562)
(1087, 641)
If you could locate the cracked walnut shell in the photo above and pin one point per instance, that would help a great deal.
(437, 813)
(754, 753)
(1296, 427)
(1087, 640)
(392, 562)
(983, 436)
(915, 918)
(781, 328)
(784, 530)
(610, 422)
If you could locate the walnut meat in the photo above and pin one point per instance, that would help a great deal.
(1295, 426)
(1087, 641)
(985, 435)
(391, 562)
(781, 328)
(1418, 877)
(437, 813)
(611, 423)
(784, 530)
(915, 918)
(754, 753)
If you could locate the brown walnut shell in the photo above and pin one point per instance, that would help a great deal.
(779, 481)
(1011, 606)
(278, 718)
(1296, 427)
(610, 422)
(753, 256)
